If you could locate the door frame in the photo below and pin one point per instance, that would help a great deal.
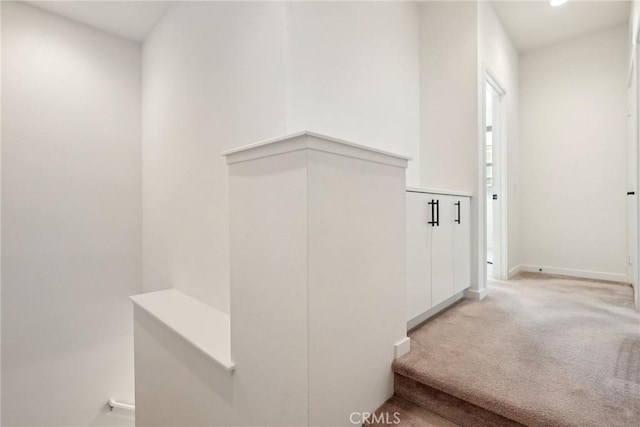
(634, 72)
(636, 52)
(500, 129)
(633, 137)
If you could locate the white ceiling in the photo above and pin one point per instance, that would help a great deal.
(535, 24)
(531, 24)
(133, 20)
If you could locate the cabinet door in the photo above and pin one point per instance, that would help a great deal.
(462, 245)
(442, 250)
(418, 255)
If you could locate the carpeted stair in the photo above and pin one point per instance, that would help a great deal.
(538, 351)
(418, 389)
(397, 411)
(417, 404)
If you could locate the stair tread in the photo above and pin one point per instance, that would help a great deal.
(397, 411)
(412, 367)
(456, 410)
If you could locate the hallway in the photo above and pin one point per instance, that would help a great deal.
(218, 213)
(540, 350)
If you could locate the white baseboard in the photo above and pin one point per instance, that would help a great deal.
(412, 323)
(585, 274)
(514, 271)
(474, 294)
(402, 347)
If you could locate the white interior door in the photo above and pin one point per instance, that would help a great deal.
(461, 244)
(418, 255)
(489, 162)
(442, 250)
(632, 176)
(633, 183)
(636, 140)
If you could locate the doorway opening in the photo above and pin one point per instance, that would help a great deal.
(494, 184)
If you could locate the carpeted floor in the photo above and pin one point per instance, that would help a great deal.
(540, 350)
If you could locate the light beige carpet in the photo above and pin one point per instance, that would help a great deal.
(397, 411)
(539, 350)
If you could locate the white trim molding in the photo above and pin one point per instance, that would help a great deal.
(401, 348)
(583, 274)
(307, 140)
(421, 318)
(514, 271)
(439, 191)
(475, 295)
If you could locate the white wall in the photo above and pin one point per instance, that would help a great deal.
(349, 70)
(177, 385)
(213, 79)
(449, 113)
(573, 146)
(499, 54)
(0, 208)
(353, 73)
(634, 23)
(221, 75)
(448, 94)
(70, 218)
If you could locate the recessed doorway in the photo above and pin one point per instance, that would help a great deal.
(494, 167)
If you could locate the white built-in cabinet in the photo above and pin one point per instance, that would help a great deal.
(438, 252)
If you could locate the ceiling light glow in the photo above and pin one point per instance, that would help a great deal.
(555, 3)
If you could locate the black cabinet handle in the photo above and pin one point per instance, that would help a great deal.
(438, 213)
(458, 205)
(631, 193)
(432, 203)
